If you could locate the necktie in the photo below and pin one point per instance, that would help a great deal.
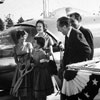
(66, 42)
(65, 57)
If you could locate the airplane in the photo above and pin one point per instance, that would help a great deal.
(8, 39)
(2, 1)
(89, 20)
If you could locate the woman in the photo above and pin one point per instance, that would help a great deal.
(41, 32)
(48, 47)
(42, 83)
(21, 86)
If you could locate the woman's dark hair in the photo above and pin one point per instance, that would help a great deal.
(20, 33)
(40, 41)
(42, 22)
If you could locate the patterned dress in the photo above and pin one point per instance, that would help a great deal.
(23, 59)
(48, 41)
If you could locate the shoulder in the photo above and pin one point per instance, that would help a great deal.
(76, 32)
(29, 44)
(85, 29)
(46, 35)
(37, 34)
(42, 52)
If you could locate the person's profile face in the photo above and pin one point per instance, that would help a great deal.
(39, 28)
(23, 38)
(59, 27)
(74, 23)
(62, 29)
(35, 45)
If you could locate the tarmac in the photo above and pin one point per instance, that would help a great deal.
(54, 96)
(51, 97)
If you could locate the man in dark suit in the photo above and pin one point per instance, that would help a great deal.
(75, 21)
(76, 46)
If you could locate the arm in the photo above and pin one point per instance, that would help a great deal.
(30, 47)
(89, 38)
(84, 46)
(51, 47)
(15, 56)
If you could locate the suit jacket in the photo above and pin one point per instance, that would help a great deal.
(76, 48)
(89, 38)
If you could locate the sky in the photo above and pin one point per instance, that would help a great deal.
(29, 9)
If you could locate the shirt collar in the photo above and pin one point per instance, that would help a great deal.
(69, 32)
(40, 34)
(78, 27)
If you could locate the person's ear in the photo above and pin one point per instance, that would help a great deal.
(64, 27)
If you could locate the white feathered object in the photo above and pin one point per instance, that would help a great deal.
(77, 84)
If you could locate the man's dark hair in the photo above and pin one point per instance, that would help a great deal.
(64, 21)
(76, 15)
(40, 41)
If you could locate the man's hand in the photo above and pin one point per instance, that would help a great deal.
(61, 46)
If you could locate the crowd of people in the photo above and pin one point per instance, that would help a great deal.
(32, 79)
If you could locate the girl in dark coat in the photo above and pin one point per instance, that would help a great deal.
(42, 83)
